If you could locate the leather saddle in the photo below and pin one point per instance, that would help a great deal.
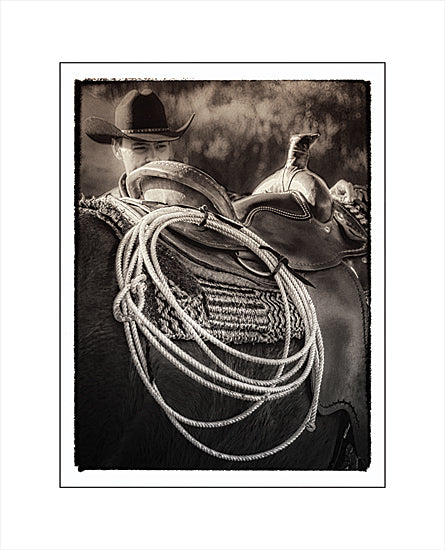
(317, 242)
(285, 220)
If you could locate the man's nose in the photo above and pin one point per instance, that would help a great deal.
(151, 154)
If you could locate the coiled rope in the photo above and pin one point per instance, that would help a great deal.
(137, 255)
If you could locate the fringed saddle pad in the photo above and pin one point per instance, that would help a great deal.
(233, 312)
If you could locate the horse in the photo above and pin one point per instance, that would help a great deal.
(188, 362)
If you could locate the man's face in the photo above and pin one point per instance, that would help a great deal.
(135, 154)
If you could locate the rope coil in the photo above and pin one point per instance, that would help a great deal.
(137, 253)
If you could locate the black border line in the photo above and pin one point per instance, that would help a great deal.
(60, 274)
(384, 272)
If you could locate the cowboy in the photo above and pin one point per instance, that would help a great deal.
(140, 134)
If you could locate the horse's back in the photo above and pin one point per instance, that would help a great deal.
(117, 423)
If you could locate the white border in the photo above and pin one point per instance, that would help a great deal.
(35, 513)
(374, 477)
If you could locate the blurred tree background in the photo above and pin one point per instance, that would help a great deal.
(241, 131)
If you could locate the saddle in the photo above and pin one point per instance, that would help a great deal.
(285, 220)
(316, 243)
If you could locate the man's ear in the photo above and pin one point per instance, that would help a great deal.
(115, 145)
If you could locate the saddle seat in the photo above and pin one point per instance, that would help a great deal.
(285, 221)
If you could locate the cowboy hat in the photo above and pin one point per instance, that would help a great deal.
(139, 116)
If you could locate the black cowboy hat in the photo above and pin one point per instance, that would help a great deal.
(139, 116)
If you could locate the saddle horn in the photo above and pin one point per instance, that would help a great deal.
(295, 176)
(298, 153)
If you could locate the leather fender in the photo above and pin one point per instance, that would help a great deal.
(345, 335)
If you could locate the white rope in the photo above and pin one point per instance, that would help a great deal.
(138, 253)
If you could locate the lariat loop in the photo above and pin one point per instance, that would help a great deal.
(137, 261)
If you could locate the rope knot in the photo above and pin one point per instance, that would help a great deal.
(138, 282)
(122, 317)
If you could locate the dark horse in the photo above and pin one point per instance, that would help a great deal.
(225, 287)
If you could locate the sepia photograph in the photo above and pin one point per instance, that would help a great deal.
(222, 274)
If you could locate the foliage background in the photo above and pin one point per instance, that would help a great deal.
(241, 130)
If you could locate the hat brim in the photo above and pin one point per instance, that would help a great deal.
(102, 131)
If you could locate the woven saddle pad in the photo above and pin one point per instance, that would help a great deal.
(232, 309)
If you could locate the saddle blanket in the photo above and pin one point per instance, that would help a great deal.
(235, 312)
